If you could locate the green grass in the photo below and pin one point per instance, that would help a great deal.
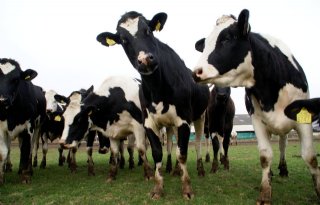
(239, 185)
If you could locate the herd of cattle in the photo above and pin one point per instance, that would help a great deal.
(168, 96)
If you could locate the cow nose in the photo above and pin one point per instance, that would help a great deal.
(197, 73)
(145, 59)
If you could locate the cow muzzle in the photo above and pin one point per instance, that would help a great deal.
(147, 63)
(5, 101)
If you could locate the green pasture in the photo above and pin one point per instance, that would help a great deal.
(239, 185)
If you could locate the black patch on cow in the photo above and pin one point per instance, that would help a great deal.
(104, 110)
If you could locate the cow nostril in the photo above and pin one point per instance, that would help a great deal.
(199, 71)
(139, 62)
(151, 57)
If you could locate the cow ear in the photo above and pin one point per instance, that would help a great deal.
(29, 74)
(243, 23)
(158, 21)
(200, 45)
(90, 90)
(108, 39)
(303, 109)
(61, 99)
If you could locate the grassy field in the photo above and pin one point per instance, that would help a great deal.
(240, 185)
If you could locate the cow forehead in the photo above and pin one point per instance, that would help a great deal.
(7, 68)
(131, 25)
(210, 42)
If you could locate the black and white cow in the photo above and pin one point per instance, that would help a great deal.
(235, 56)
(76, 98)
(219, 119)
(22, 110)
(113, 110)
(170, 95)
(51, 128)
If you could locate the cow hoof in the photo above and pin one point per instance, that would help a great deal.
(157, 192)
(8, 167)
(187, 192)
(25, 177)
(188, 196)
(1, 181)
(43, 165)
(110, 179)
(35, 163)
(200, 168)
(207, 157)
(155, 196)
(214, 167)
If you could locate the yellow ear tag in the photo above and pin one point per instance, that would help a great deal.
(57, 118)
(27, 77)
(110, 42)
(158, 26)
(304, 117)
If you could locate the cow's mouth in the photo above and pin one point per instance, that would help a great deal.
(147, 70)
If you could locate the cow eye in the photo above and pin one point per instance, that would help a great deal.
(148, 32)
(124, 41)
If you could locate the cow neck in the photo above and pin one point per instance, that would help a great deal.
(271, 73)
(171, 72)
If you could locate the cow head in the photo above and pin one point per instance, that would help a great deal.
(222, 94)
(12, 79)
(226, 57)
(76, 119)
(135, 34)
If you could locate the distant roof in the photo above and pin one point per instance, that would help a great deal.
(242, 119)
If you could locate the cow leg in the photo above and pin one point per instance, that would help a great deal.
(121, 156)
(62, 158)
(215, 147)
(266, 155)
(43, 163)
(199, 128)
(104, 144)
(169, 150)
(140, 137)
(36, 147)
(309, 155)
(282, 163)
(207, 149)
(8, 164)
(25, 166)
(72, 158)
(130, 148)
(3, 155)
(182, 153)
(90, 162)
(226, 143)
(91, 136)
(157, 155)
(114, 145)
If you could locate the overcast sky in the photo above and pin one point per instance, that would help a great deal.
(57, 38)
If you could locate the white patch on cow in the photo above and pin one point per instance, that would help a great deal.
(7, 68)
(52, 104)
(129, 86)
(210, 44)
(71, 111)
(275, 120)
(142, 57)
(125, 126)
(274, 42)
(18, 129)
(131, 25)
(157, 120)
(241, 76)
